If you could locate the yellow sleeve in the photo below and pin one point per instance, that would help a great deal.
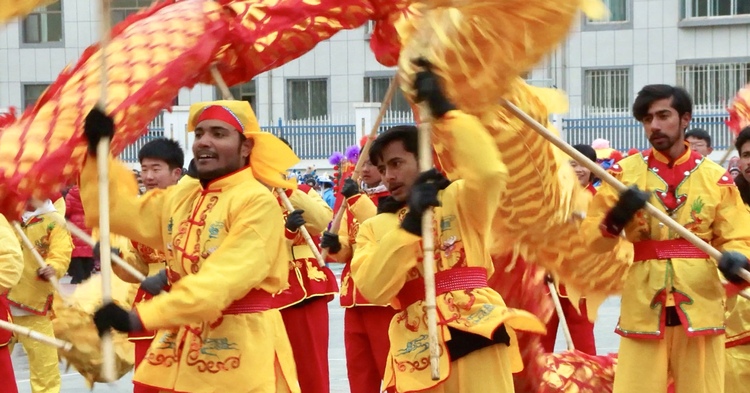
(463, 140)
(60, 206)
(363, 208)
(124, 204)
(380, 266)
(605, 199)
(11, 257)
(317, 213)
(130, 255)
(729, 234)
(227, 274)
(60, 249)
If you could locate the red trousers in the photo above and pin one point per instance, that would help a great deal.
(307, 328)
(581, 329)
(7, 376)
(366, 342)
(141, 348)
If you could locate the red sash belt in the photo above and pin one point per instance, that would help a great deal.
(257, 300)
(665, 249)
(456, 279)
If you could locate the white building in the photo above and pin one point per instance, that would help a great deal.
(703, 45)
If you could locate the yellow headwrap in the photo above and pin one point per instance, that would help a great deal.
(270, 157)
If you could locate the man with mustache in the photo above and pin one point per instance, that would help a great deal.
(226, 256)
(475, 327)
(365, 324)
(672, 308)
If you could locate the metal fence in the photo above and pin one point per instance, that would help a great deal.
(316, 139)
(155, 130)
(624, 132)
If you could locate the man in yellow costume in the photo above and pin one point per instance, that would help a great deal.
(475, 329)
(737, 378)
(11, 267)
(672, 309)
(31, 300)
(226, 256)
(365, 324)
(304, 304)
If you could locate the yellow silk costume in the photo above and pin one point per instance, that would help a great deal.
(11, 257)
(387, 259)
(705, 201)
(216, 255)
(737, 374)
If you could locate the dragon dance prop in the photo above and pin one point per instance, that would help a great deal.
(739, 117)
(74, 323)
(10, 9)
(155, 53)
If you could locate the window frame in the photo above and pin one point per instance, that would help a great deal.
(730, 91)
(586, 107)
(24, 85)
(43, 44)
(367, 80)
(136, 9)
(238, 90)
(627, 24)
(288, 96)
(711, 20)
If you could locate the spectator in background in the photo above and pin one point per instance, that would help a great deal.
(700, 141)
(326, 190)
(82, 258)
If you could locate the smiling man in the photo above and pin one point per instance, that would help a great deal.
(226, 255)
(672, 309)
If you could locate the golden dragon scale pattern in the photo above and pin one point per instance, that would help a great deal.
(150, 57)
(269, 33)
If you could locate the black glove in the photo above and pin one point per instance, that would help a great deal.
(331, 242)
(97, 126)
(155, 283)
(730, 264)
(295, 220)
(423, 196)
(113, 316)
(428, 88)
(98, 253)
(631, 200)
(350, 188)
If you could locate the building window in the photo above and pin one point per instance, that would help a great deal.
(375, 89)
(44, 24)
(618, 12)
(307, 98)
(607, 91)
(121, 9)
(32, 92)
(713, 86)
(713, 8)
(244, 92)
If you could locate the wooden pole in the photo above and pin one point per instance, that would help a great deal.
(102, 160)
(38, 257)
(428, 254)
(336, 224)
(33, 334)
(288, 205)
(561, 315)
(619, 186)
(81, 234)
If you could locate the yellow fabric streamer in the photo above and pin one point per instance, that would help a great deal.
(10, 9)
